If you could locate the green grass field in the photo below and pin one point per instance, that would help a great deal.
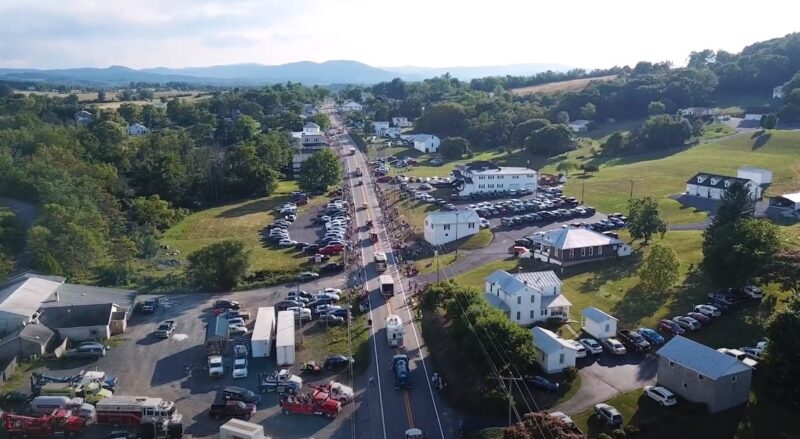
(242, 221)
(662, 174)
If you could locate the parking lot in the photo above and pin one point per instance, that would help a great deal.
(151, 366)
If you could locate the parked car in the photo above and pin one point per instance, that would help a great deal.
(234, 393)
(324, 309)
(608, 414)
(739, 355)
(591, 345)
(709, 310)
(753, 292)
(540, 382)
(89, 350)
(633, 341)
(232, 409)
(307, 276)
(661, 395)
(338, 361)
(614, 346)
(580, 350)
(700, 317)
(670, 326)
(330, 319)
(652, 336)
(754, 353)
(235, 329)
(687, 323)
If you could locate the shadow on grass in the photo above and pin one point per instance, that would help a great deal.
(761, 140)
(255, 206)
(638, 304)
(616, 159)
(604, 271)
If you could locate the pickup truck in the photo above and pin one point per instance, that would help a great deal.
(232, 409)
(165, 329)
(633, 340)
(149, 306)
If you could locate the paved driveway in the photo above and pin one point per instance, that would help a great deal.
(604, 376)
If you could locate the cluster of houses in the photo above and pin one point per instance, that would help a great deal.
(39, 313)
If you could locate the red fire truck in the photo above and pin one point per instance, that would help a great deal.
(139, 410)
(59, 423)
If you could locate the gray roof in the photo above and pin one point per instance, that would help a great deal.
(547, 341)
(497, 302)
(36, 333)
(508, 283)
(596, 315)
(719, 182)
(217, 329)
(574, 237)
(539, 279)
(701, 358)
(76, 316)
(555, 301)
(23, 295)
(463, 217)
(73, 294)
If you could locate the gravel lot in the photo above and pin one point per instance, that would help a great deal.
(146, 365)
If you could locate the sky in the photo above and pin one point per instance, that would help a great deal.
(433, 33)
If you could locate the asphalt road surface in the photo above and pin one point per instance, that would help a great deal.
(390, 412)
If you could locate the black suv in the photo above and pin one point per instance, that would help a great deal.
(633, 341)
(232, 409)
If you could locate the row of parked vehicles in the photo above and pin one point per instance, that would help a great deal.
(320, 306)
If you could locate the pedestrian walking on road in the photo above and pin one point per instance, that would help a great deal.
(372, 381)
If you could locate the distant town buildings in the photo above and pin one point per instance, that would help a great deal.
(137, 129)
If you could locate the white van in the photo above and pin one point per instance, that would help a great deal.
(44, 405)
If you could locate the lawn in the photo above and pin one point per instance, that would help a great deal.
(556, 87)
(428, 265)
(317, 342)
(763, 417)
(662, 174)
(481, 239)
(242, 221)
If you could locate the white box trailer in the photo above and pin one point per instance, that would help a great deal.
(284, 339)
(263, 333)
(238, 429)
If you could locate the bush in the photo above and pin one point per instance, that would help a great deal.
(570, 373)
(603, 436)
(619, 434)
(631, 430)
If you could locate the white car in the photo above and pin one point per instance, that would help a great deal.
(661, 395)
(484, 223)
(563, 417)
(336, 291)
(216, 369)
(324, 309)
(591, 345)
(580, 350)
(739, 355)
(287, 243)
(238, 321)
(302, 314)
(687, 322)
(709, 310)
(240, 368)
(614, 346)
(754, 353)
(753, 292)
(762, 344)
(237, 330)
(340, 392)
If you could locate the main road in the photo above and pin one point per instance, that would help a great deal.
(388, 412)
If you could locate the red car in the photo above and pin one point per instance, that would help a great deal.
(333, 249)
(670, 326)
(702, 318)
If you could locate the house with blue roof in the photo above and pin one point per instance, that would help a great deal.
(701, 374)
(527, 298)
(553, 353)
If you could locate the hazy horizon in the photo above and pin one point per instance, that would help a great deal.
(197, 33)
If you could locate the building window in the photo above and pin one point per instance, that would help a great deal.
(671, 364)
(583, 251)
(518, 315)
(591, 251)
(700, 377)
(685, 386)
(519, 302)
(481, 177)
(529, 175)
(491, 177)
(470, 225)
(499, 185)
(481, 186)
(447, 226)
(560, 358)
(733, 379)
(608, 327)
(543, 312)
(515, 177)
(533, 299)
(571, 253)
(531, 314)
(600, 250)
(491, 185)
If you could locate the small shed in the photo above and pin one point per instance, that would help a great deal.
(553, 353)
(597, 323)
(217, 333)
(790, 201)
(760, 176)
(32, 340)
(238, 429)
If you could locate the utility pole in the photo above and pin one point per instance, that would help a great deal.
(583, 188)
(436, 256)
(457, 214)
(632, 180)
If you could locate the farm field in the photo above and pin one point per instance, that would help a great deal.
(111, 96)
(555, 87)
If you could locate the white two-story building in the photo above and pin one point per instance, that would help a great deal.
(426, 143)
(349, 106)
(527, 298)
(444, 227)
(380, 128)
(483, 176)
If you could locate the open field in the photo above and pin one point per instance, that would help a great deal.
(665, 173)
(555, 87)
(242, 221)
(763, 417)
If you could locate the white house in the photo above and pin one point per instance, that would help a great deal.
(553, 353)
(427, 143)
(83, 117)
(579, 125)
(393, 131)
(137, 129)
(485, 177)
(380, 127)
(777, 92)
(760, 176)
(312, 140)
(597, 323)
(351, 106)
(527, 298)
(444, 227)
(713, 186)
(698, 111)
(753, 117)
(401, 122)
(311, 128)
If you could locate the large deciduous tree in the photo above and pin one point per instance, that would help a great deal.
(219, 266)
(664, 132)
(644, 219)
(659, 271)
(525, 129)
(550, 140)
(781, 365)
(445, 120)
(319, 171)
(784, 269)
(247, 175)
(454, 148)
(655, 108)
(735, 252)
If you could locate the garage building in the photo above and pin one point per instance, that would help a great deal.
(84, 322)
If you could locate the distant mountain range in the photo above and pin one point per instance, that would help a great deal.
(306, 72)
